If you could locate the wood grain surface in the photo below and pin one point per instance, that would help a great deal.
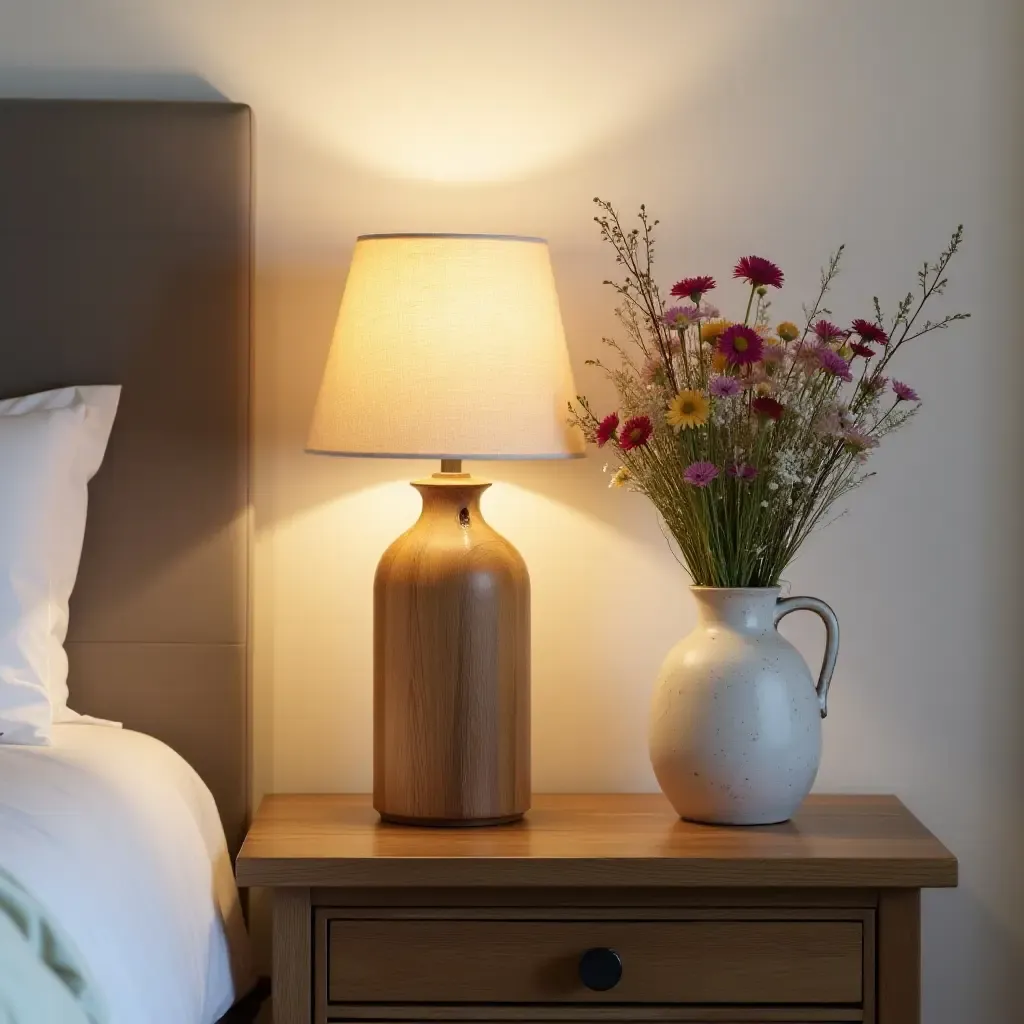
(451, 706)
(899, 957)
(795, 962)
(592, 1014)
(863, 842)
(292, 940)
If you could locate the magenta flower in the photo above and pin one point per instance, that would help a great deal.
(724, 387)
(742, 471)
(833, 363)
(828, 332)
(740, 344)
(904, 392)
(693, 288)
(869, 331)
(700, 474)
(606, 430)
(861, 350)
(758, 272)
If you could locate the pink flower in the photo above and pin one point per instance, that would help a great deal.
(833, 363)
(758, 272)
(636, 432)
(857, 440)
(828, 332)
(653, 371)
(700, 474)
(904, 392)
(724, 387)
(693, 288)
(772, 354)
(869, 332)
(740, 344)
(742, 471)
(861, 350)
(606, 429)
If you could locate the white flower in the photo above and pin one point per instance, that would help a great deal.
(764, 504)
(773, 486)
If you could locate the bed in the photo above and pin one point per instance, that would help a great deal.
(126, 257)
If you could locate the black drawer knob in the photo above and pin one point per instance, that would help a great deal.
(600, 969)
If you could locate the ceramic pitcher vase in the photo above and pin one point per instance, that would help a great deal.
(736, 723)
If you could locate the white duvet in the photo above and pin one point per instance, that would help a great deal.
(120, 840)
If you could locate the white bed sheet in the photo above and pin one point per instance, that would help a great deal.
(120, 839)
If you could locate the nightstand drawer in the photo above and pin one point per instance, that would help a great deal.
(790, 962)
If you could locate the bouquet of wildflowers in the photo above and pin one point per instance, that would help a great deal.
(745, 433)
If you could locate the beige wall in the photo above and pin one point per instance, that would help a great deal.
(780, 128)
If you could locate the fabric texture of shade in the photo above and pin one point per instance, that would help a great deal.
(447, 346)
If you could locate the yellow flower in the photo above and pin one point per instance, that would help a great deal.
(763, 387)
(620, 479)
(845, 351)
(710, 330)
(719, 363)
(687, 409)
(787, 330)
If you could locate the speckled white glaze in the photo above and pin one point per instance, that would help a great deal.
(736, 724)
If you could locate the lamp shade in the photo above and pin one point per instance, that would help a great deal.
(447, 346)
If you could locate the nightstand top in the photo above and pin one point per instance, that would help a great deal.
(594, 840)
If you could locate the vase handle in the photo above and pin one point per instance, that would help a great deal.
(828, 663)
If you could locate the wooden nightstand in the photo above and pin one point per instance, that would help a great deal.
(595, 908)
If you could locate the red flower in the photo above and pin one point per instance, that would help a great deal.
(740, 344)
(606, 429)
(636, 432)
(768, 407)
(758, 272)
(693, 288)
(869, 331)
(861, 350)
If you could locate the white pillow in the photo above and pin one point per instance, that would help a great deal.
(51, 444)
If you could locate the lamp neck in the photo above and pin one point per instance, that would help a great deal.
(451, 465)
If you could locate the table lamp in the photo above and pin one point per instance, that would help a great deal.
(449, 347)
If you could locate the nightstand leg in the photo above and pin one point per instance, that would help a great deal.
(292, 956)
(899, 956)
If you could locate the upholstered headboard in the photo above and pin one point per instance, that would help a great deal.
(126, 257)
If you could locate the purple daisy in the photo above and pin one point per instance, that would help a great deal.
(740, 344)
(680, 316)
(724, 387)
(742, 471)
(700, 474)
(833, 362)
(683, 316)
(904, 392)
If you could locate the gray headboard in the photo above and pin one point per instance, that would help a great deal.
(126, 257)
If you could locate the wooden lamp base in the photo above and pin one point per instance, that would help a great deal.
(451, 714)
